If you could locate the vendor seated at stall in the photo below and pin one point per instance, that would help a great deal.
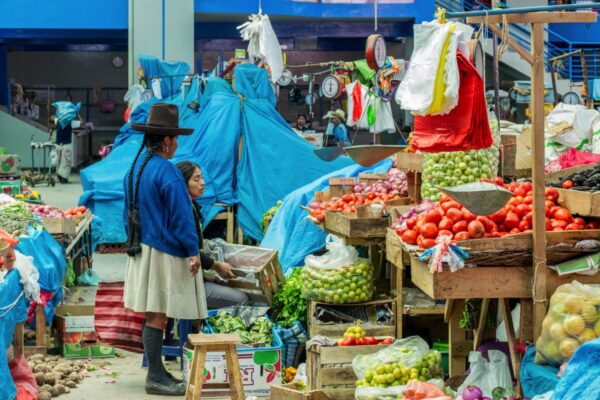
(336, 127)
(302, 124)
(217, 296)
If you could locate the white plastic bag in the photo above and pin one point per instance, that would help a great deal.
(29, 276)
(338, 255)
(596, 137)
(263, 42)
(515, 315)
(488, 375)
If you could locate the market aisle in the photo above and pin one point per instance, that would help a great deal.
(63, 195)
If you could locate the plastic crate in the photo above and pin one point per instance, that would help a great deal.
(443, 348)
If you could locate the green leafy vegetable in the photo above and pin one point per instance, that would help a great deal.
(292, 306)
(268, 217)
(259, 333)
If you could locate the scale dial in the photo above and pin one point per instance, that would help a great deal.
(331, 87)
(376, 52)
(571, 98)
(310, 99)
(286, 78)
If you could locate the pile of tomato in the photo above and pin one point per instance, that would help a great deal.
(450, 218)
(347, 203)
(364, 341)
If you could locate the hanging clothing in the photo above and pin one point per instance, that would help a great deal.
(358, 99)
(384, 119)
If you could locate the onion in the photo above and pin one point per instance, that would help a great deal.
(314, 205)
(472, 393)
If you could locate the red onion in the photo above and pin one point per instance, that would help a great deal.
(314, 205)
(485, 398)
(472, 393)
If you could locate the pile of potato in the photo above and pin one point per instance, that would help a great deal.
(55, 376)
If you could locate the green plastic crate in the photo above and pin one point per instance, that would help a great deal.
(443, 348)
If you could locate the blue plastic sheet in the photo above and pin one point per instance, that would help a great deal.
(13, 310)
(291, 233)
(536, 379)
(171, 73)
(581, 378)
(49, 259)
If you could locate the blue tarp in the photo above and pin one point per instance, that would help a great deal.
(536, 379)
(291, 233)
(172, 73)
(49, 259)
(581, 378)
(10, 315)
(274, 162)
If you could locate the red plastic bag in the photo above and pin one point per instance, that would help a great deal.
(22, 375)
(572, 158)
(466, 127)
(416, 390)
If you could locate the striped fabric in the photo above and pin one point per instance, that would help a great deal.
(116, 325)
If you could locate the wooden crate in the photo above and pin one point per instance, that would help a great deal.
(350, 226)
(341, 186)
(371, 178)
(330, 369)
(555, 177)
(290, 391)
(409, 161)
(472, 283)
(413, 181)
(582, 203)
(317, 328)
(60, 226)
(266, 271)
(393, 248)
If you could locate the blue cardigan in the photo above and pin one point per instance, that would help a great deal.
(165, 208)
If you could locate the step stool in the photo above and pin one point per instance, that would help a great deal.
(214, 342)
(184, 329)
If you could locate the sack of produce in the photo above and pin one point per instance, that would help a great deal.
(385, 373)
(339, 276)
(573, 318)
(456, 168)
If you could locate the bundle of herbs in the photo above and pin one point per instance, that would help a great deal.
(289, 304)
(259, 334)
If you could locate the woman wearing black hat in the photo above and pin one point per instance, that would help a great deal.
(162, 277)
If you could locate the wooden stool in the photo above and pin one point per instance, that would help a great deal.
(222, 343)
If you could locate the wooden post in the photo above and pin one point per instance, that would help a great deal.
(539, 207)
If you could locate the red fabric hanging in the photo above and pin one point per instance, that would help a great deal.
(466, 127)
(116, 325)
(357, 100)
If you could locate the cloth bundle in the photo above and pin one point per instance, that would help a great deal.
(263, 43)
(466, 127)
(66, 112)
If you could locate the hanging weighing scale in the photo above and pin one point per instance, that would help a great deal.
(286, 78)
(376, 52)
(332, 87)
(571, 98)
(481, 198)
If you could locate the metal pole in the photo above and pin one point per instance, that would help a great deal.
(520, 10)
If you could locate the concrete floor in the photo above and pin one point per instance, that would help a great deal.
(127, 381)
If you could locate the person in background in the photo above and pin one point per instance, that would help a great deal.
(337, 128)
(302, 124)
(161, 276)
(217, 296)
(64, 152)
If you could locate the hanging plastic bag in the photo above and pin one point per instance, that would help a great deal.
(338, 276)
(488, 375)
(263, 42)
(466, 127)
(572, 319)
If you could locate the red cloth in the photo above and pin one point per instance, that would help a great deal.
(357, 99)
(45, 297)
(466, 127)
(116, 325)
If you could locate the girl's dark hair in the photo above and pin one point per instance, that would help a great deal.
(187, 169)
(301, 115)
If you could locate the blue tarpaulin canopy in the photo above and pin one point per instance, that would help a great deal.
(274, 160)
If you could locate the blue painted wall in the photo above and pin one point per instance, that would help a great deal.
(577, 33)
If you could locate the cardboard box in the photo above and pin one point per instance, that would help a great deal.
(10, 164)
(77, 335)
(60, 226)
(524, 149)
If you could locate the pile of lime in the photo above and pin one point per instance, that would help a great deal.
(399, 374)
(349, 284)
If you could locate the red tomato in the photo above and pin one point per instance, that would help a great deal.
(347, 198)
(553, 210)
(427, 243)
(527, 186)
(578, 221)
(321, 217)
(411, 222)
(371, 196)
(418, 225)
(549, 203)
(528, 217)
(462, 236)
(434, 216)
(348, 342)
(445, 224)
(549, 226)
(445, 198)
(511, 221)
(522, 209)
(552, 194)
(556, 223)
(450, 204)
(524, 226)
(515, 201)
(429, 230)
(498, 217)
(454, 214)
(568, 184)
(528, 199)
(460, 226)
(476, 229)
(520, 191)
(387, 341)
(514, 230)
(445, 232)
(468, 215)
(563, 215)
(593, 225)
(488, 224)
(409, 237)
(574, 227)
(499, 181)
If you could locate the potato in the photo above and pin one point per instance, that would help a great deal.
(39, 378)
(45, 388)
(74, 376)
(57, 390)
(50, 378)
(45, 396)
(41, 368)
(78, 364)
(71, 384)
(39, 357)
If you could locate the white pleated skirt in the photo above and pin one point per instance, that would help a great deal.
(161, 283)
